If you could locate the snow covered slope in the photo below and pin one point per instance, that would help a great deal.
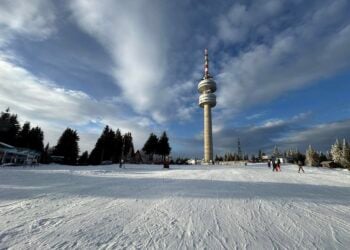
(146, 207)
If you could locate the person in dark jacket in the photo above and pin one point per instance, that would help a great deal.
(300, 164)
(273, 165)
(278, 167)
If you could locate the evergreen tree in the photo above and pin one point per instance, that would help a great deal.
(151, 145)
(336, 152)
(84, 158)
(67, 146)
(312, 158)
(128, 147)
(9, 127)
(104, 149)
(163, 147)
(112, 146)
(117, 146)
(323, 157)
(239, 150)
(23, 137)
(260, 155)
(36, 139)
(45, 156)
(217, 158)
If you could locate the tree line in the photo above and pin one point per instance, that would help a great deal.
(337, 156)
(12, 133)
(111, 147)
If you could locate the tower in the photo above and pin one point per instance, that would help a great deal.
(207, 100)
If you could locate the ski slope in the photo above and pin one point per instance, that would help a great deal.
(187, 207)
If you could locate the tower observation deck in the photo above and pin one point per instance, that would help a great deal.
(207, 100)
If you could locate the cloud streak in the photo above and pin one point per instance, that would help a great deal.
(53, 108)
(279, 55)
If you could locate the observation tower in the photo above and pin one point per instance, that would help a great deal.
(207, 100)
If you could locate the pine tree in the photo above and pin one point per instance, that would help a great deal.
(117, 146)
(104, 147)
(163, 147)
(84, 158)
(36, 139)
(239, 150)
(323, 157)
(336, 152)
(128, 146)
(23, 137)
(67, 146)
(312, 158)
(260, 155)
(150, 147)
(9, 127)
(45, 156)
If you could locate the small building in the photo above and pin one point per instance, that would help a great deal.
(13, 156)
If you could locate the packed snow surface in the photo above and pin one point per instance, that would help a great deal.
(188, 207)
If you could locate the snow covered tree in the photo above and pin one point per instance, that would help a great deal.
(312, 158)
(345, 157)
(276, 152)
(336, 152)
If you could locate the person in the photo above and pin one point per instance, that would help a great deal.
(269, 163)
(121, 163)
(300, 164)
(273, 165)
(278, 168)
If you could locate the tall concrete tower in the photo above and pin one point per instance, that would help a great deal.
(207, 100)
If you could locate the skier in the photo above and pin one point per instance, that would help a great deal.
(300, 164)
(278, 168)
(274, 165)
(121, 163)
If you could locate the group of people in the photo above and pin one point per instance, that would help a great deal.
(276, 165)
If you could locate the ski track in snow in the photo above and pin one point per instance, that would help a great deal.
(188, 207)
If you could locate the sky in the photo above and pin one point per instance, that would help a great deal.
(282, 70)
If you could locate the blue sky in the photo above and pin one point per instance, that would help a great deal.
(282, 69)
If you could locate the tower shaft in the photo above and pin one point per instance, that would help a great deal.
(207, 100)
(208, 137)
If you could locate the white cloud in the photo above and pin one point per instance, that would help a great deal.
(54, 108)
(289, 55)
(34, 19)
(134, 35)
(320, 135)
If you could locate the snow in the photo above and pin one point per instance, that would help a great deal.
(187, 207)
